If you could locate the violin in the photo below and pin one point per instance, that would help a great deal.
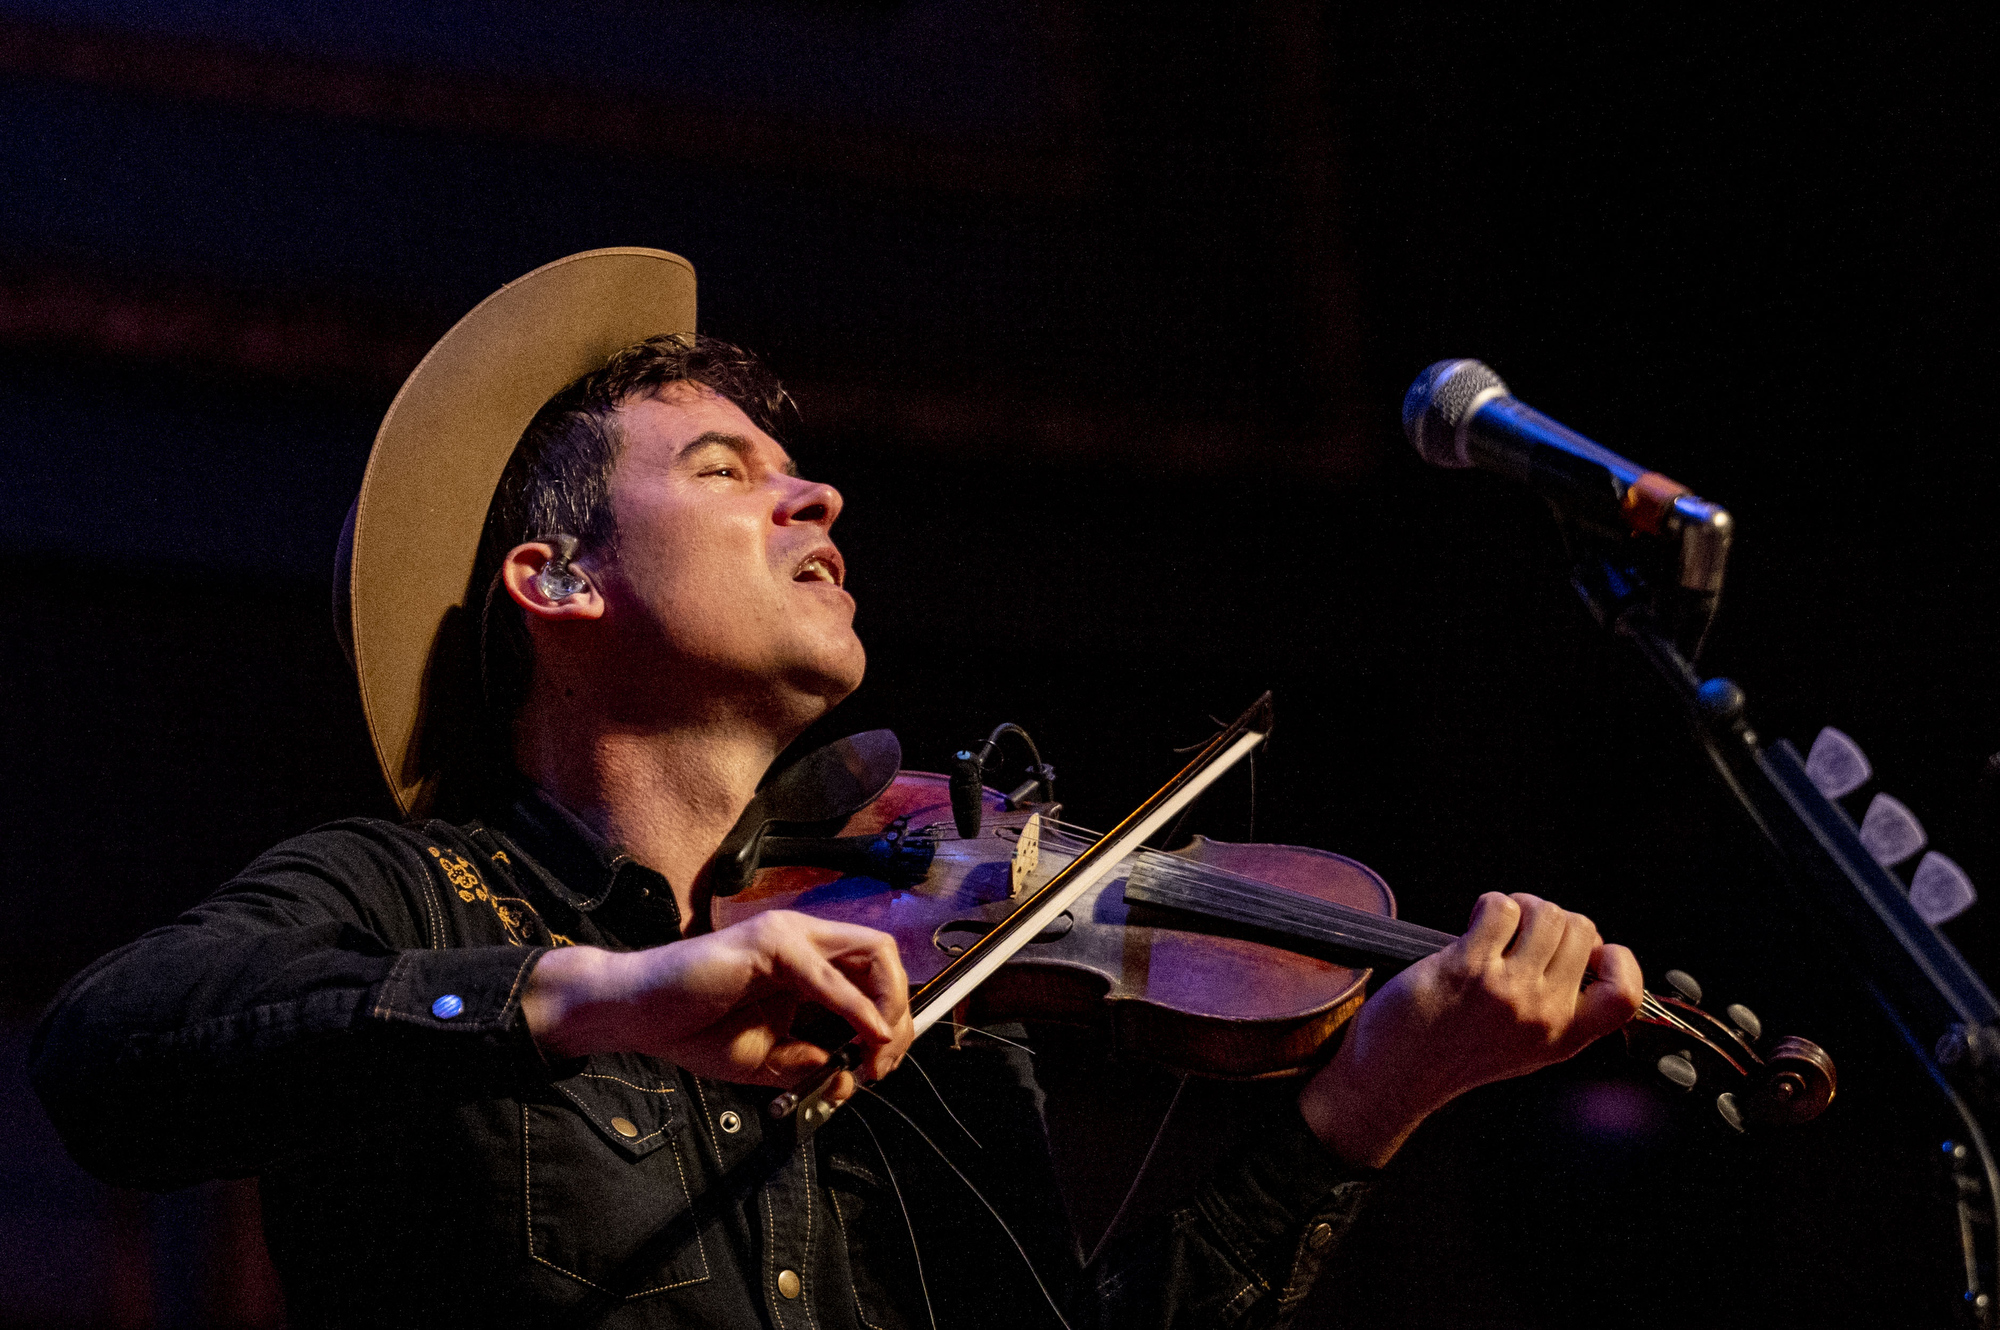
(1217, 959)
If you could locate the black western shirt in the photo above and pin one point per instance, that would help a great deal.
(343, 1020)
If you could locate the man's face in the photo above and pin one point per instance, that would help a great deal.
(726, 578)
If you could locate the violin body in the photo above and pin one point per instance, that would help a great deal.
(1183, 997)
(1244, 971)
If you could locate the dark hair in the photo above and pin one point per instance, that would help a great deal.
(558, 482)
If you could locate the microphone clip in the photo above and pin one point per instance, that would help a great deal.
(968, 780)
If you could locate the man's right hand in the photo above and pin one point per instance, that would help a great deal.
(722, 1004)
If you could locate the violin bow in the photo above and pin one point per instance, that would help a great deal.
(807, 1101)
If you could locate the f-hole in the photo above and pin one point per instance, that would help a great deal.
(969, 931)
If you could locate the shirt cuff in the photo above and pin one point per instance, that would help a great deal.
(473, 993)
(473, 990)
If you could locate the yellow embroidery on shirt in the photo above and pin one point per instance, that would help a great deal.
(513, 912)
(560, 940)
(459, 872)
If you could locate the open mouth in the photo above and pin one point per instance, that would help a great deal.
(818, 568)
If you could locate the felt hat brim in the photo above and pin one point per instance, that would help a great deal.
(415, 529)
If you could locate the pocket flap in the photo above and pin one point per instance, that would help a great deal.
(628, 1099)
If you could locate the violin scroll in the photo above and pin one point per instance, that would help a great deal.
(1797, 1085)
(1791, 1082)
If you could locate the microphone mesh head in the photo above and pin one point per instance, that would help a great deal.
(1438, 403)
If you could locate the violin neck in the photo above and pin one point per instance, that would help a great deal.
(1274, 914)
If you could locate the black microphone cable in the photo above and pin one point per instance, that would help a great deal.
(968, 778)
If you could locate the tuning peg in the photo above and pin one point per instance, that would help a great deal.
(1940, 889)
(1725, 1104)
(1676, 1068)
(1836, 765)
(1683, 983)
(1891, 831)
(1745, 1020)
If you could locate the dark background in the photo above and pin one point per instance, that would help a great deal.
(1100, 315)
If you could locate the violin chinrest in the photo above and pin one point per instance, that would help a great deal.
(812, 796)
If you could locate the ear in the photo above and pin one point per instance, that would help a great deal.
(521, 570)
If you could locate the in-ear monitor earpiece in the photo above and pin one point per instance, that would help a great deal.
(557, 579)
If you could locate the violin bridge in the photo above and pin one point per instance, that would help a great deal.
(1027, 856)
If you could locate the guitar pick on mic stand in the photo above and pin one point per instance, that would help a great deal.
(1648, 559)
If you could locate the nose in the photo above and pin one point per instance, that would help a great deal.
(810, 503)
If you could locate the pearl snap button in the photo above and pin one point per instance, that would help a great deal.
(788, 1283)
(730, 1123)
(624, 1127)
(447, 1007)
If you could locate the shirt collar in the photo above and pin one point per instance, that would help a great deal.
(579, 866)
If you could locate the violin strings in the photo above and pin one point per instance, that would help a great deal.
(1251, 757)
(1159, 1134)
(1168, 880)
(973, 1029)
(923, 1284)
(939, 1096)
(1262, 905)
(1357, 926)
(1659, 1010)
(980, 1196)
(1648, 1005)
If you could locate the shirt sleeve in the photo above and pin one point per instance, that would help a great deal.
(1246, 1252)
(310, 999)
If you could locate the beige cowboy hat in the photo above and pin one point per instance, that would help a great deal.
(402, 595)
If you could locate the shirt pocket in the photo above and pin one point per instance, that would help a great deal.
(605, 1173)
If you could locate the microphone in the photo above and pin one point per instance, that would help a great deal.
(968, 779)
(1459, 413)
(967, 784)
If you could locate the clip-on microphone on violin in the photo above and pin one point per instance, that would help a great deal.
(968, 779)
(808, 1102)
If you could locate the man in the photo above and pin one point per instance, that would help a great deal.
(493, 1067)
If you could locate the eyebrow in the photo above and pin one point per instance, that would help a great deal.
(735, 443)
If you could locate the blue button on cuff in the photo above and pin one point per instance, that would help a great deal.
(447, 1007)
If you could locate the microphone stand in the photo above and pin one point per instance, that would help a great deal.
(1939, 1006)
